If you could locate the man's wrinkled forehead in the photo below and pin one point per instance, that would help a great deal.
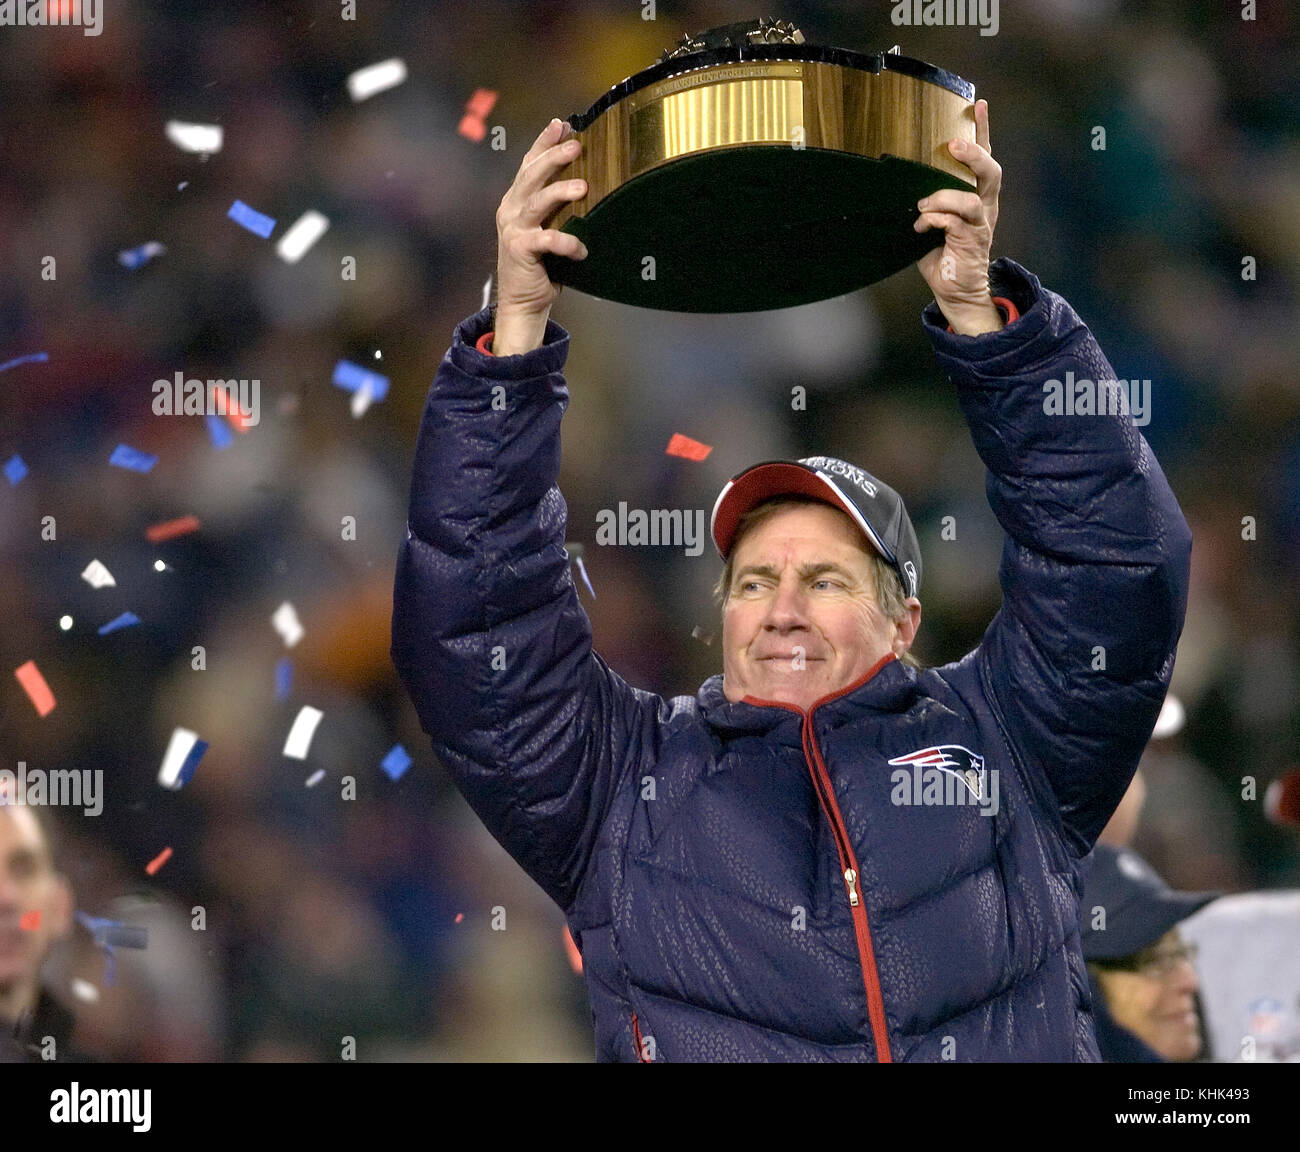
(834, 538)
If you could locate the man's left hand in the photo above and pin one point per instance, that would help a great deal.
(958, 273)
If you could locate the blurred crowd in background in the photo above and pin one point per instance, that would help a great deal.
(373, 918)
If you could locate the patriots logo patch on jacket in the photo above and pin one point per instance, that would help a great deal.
(954, 759)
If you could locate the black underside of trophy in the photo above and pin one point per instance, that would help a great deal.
(752, 228)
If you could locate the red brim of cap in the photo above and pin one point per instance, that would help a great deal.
(763, 482)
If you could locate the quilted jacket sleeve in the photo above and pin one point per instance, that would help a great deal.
(488, 634)
(1096, 555)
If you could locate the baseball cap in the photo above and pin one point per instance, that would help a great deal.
(1140, 906)
(873, 505)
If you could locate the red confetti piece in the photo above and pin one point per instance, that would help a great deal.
(472, 128)
(170, 529)
(481, 103)
(459, 917)
(687, 448)
(571, 950)
(158, 861)
(30, 921)
(241, 422)
(29, 676)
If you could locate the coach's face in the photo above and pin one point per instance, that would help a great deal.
(801, 620)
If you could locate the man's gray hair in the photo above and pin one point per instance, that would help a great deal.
(889, 587)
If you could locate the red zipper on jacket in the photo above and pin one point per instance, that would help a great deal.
(848, 861)
(640, 1044)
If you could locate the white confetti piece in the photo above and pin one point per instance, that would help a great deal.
(84, 990)
(194, 137)
(369, 81)
(316, 777)
(97, 576)
(184, 751)
(361, 399)
(302, 234)
(285, 621)
(304, 728)
(487, 292)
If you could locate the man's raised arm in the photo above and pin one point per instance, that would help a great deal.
(1096, 562)
(488, 634)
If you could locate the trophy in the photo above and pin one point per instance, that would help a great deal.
(749, 170)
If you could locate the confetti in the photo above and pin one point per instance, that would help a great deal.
(302, 234)
(30, 358)
(194, 137)
(136, 257)
(376, 78)
(459, 917)
(571, 951)
(487, 289)
(476, 108)
(472, 128)
(251, 219)
(285, 621)
(97, 576)
(304, 728)
(158, 861)
(119, 622)
(124, 456)
(30, 921)
(38, 692)
(15, 470)
(361, 399)
(170, 529)
(316, 777)
(687, 448)
(396, 762)
(582, 571)
(481, 102)
(350, 377)
(184, 751)
(65, 622)
(698, 633)
(84, 990)
(283, 677)
(219, 431)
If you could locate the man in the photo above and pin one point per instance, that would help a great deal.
(1144, 981)
(35, 912)
(747, 874)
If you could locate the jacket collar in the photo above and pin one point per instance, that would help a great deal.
(888, 686)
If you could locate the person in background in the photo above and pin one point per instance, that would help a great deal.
(1142, 973)
(35, 913)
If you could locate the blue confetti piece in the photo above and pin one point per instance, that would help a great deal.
(396, 762)
(32, 358)
(350, 377)
(219, 431)
(136, 257)
(15, 469)
(183, 777)
(124, 456)
(108, 933)
(123, 621)
(251, 219)
(283, 677)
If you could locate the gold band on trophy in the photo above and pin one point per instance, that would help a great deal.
(819, 105)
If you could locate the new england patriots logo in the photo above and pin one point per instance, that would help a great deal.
(965, 765)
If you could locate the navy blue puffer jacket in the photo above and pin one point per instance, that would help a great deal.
(699, 847)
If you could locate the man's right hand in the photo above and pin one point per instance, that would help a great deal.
(525, 293)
